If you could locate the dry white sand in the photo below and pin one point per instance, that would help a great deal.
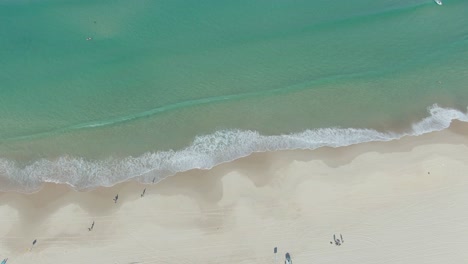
(404, 201)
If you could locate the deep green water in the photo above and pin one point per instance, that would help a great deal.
(158, 73)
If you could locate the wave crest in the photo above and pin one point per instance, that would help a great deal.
(205, 152)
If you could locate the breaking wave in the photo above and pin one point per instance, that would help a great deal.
(205, 152)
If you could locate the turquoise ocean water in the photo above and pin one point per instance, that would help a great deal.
(168, 86)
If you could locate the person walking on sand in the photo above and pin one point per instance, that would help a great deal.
(143, 194)
(287, 259)
(33, 243)
(116, 198)
(275, 250)
(92, 226)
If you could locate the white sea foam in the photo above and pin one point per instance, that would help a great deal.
(205, 152)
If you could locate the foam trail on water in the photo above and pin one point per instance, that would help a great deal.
(205, 152)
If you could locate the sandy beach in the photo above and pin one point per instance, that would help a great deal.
(393, 202)
(233, 132)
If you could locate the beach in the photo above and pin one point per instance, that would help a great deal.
(207, 131)
(402, 201)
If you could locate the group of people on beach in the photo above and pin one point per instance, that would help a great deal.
(116, 198)
(338, 242)
(287, 257)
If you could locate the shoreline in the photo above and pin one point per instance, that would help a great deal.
(204, 152)
(386, 198)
